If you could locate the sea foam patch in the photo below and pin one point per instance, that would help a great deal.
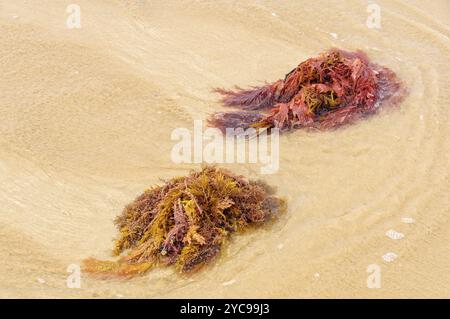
(389, 257)
(393, 234)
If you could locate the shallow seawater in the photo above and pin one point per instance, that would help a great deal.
(87, 121)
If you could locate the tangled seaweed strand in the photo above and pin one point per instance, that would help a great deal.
(333, 89)
(186, 222)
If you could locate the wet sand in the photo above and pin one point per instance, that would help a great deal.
(87, 116)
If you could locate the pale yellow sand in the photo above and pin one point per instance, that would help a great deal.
(86, 117)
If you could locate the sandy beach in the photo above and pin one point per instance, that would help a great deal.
(86, 121)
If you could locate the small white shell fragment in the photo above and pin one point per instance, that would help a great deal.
(280, 246)
(408, 220)
(334, 35)
(389, 257)
(393, 234)
(274, 14)
(228, 283)
(317, 275)
(40, 280)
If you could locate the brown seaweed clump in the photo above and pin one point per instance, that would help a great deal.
(186, 222)
(333, 89)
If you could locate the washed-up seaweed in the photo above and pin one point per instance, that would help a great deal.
(186, 222)
(328, 91)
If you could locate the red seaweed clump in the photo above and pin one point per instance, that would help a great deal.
(186, 222)
(328, 91)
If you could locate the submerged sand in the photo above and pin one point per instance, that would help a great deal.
(86, 116)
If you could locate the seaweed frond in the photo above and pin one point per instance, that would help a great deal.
(251, 99)
(237, 119)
